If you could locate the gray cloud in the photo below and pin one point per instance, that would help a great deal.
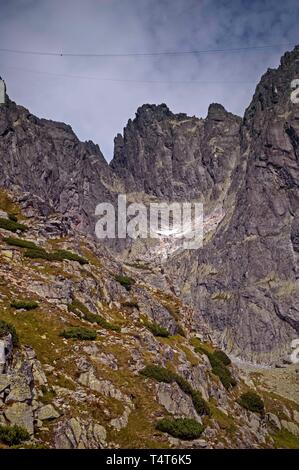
(97, 110)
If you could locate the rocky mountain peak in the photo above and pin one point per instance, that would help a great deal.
(216, 112)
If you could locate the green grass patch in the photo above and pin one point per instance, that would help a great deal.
(24, 304)
(252, 401)
(181, 428)
(78, 332)
(8, 328)
(13, 435)
(284, 439)
(12, 226)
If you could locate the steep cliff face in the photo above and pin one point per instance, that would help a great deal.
(245, 281)
(47, 161)
(177, 157)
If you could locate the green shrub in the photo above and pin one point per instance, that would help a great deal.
(13, 435)
(11, 225)
(12, 217)
(49, 394)
(183, 384)
(181, 428)
(21, 243)
(224, 374)
(161, 374)
(38, 253)
(219, 360)
(126, 281)
(200, 405)
(68, 255)
(222, 357)
(201, 350)
(157, 330)
(6, 328)
(131, 304)
(24, 304)
(78, 332)
(252, 402)
(79, 309)
(57, 255)
(107, 325)
(180, 330)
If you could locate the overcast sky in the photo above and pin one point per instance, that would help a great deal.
(98, 110)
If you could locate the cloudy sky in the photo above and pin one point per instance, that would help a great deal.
(97, 95)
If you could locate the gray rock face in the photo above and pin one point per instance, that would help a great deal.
(250, 293)
(51, 170)
(244, 282)
(174, 156)
(176, 402)
(6, 348)
(76, 434)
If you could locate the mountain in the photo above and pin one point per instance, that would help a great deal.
(245, 280)
(117, 344)
(50, 169)
(177, 157)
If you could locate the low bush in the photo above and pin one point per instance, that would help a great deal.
(252, 402)
(13, 435)
(161, 374)
(6, 328)
(38, 253)
(21, 243)
(79, 309)
(24, 304)
(222, 357)
(48, 396)
(11, 225)
(68, 255)
(224, 374)
(181, 428)
(200, 405)
(57, 255)
(219, 362)
(157, 330)
(78, 332)
(183, 384)
(107, 325)
(126, 281)
(131, 304)
(12, 217)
